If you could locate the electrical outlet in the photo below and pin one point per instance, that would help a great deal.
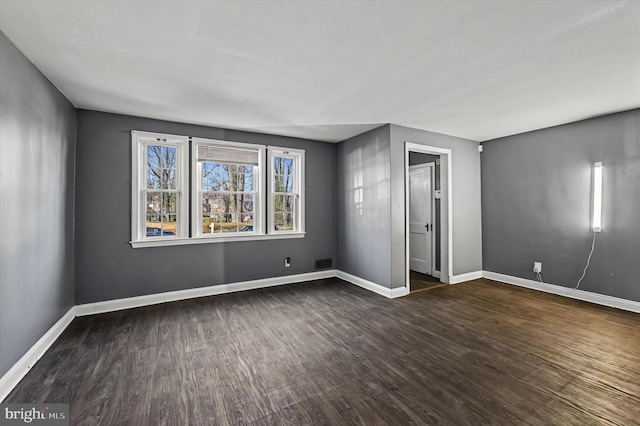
(537, 267)
(287, 262)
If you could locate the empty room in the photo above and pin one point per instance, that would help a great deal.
(319, 212)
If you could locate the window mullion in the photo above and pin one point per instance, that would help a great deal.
(162, 167)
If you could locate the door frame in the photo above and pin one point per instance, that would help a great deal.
(432, 175)
(446, 220)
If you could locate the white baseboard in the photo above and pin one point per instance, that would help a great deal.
(20, 369)
(435, 274)
(391, 293)
(172, 296)
(457, 279)
(399, 292)
(28, 360)
(587, 296)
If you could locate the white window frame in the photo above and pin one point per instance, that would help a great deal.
(297, 156)
(140, 141)
(189, 204)
(259, 186)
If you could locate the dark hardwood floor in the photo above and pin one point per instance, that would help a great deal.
(328, 352)
(420, 282)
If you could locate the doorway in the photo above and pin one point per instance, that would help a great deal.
(422, 226)
(427, 216)
(423, 208)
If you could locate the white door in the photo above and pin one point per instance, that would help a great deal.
(420, 217)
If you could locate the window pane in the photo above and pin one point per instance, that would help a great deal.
(213, 177)
(247, 223)
(168, 159)
(288, 222)
(289, 203)
(283, 174)
(245, 216)
(278, 203)
(210, 207)
(278, 219)
(153, 179)
(169, 204)
(169, 227)
(210, 203)
(169, 214)
(153, 226)
(283, 166)
(154, 173)
(228, 204)
(245, 202)
(283, 183)
(168, 179)
(161, 214)
(227, 212)
(152, 203)
(161, 167)
(228, 222)
(284, 203)
(231, 178)
(213, 223)
(245, 179)
(219, 214)
(284, 207)
(219, 177)
(207, 224)
(283, 221)
(223, 215)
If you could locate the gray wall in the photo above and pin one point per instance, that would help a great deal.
(467, 221)
(536, 201)
(106, 265)
(37, 135)
(364, 233)
(416, 158)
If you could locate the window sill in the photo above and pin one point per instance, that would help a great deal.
(209, 240)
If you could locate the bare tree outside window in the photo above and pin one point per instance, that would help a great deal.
(161, 198)
(228, 196)
(284, 201)
(187, 188)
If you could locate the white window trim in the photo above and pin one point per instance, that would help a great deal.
(298, 156)
(189, 193)
(138, 182)
(259, 204)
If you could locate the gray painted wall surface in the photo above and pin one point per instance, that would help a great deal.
(364, 233)
(536, 202)
(37, 135)
(106, 265)
(467, 223)
(416, 158)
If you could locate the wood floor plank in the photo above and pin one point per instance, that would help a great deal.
(327, 352)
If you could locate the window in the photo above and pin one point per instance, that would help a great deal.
(286, 191)
(228, 182)
(160, 199)
(222, 196)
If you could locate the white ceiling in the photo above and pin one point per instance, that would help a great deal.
(328, 70)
